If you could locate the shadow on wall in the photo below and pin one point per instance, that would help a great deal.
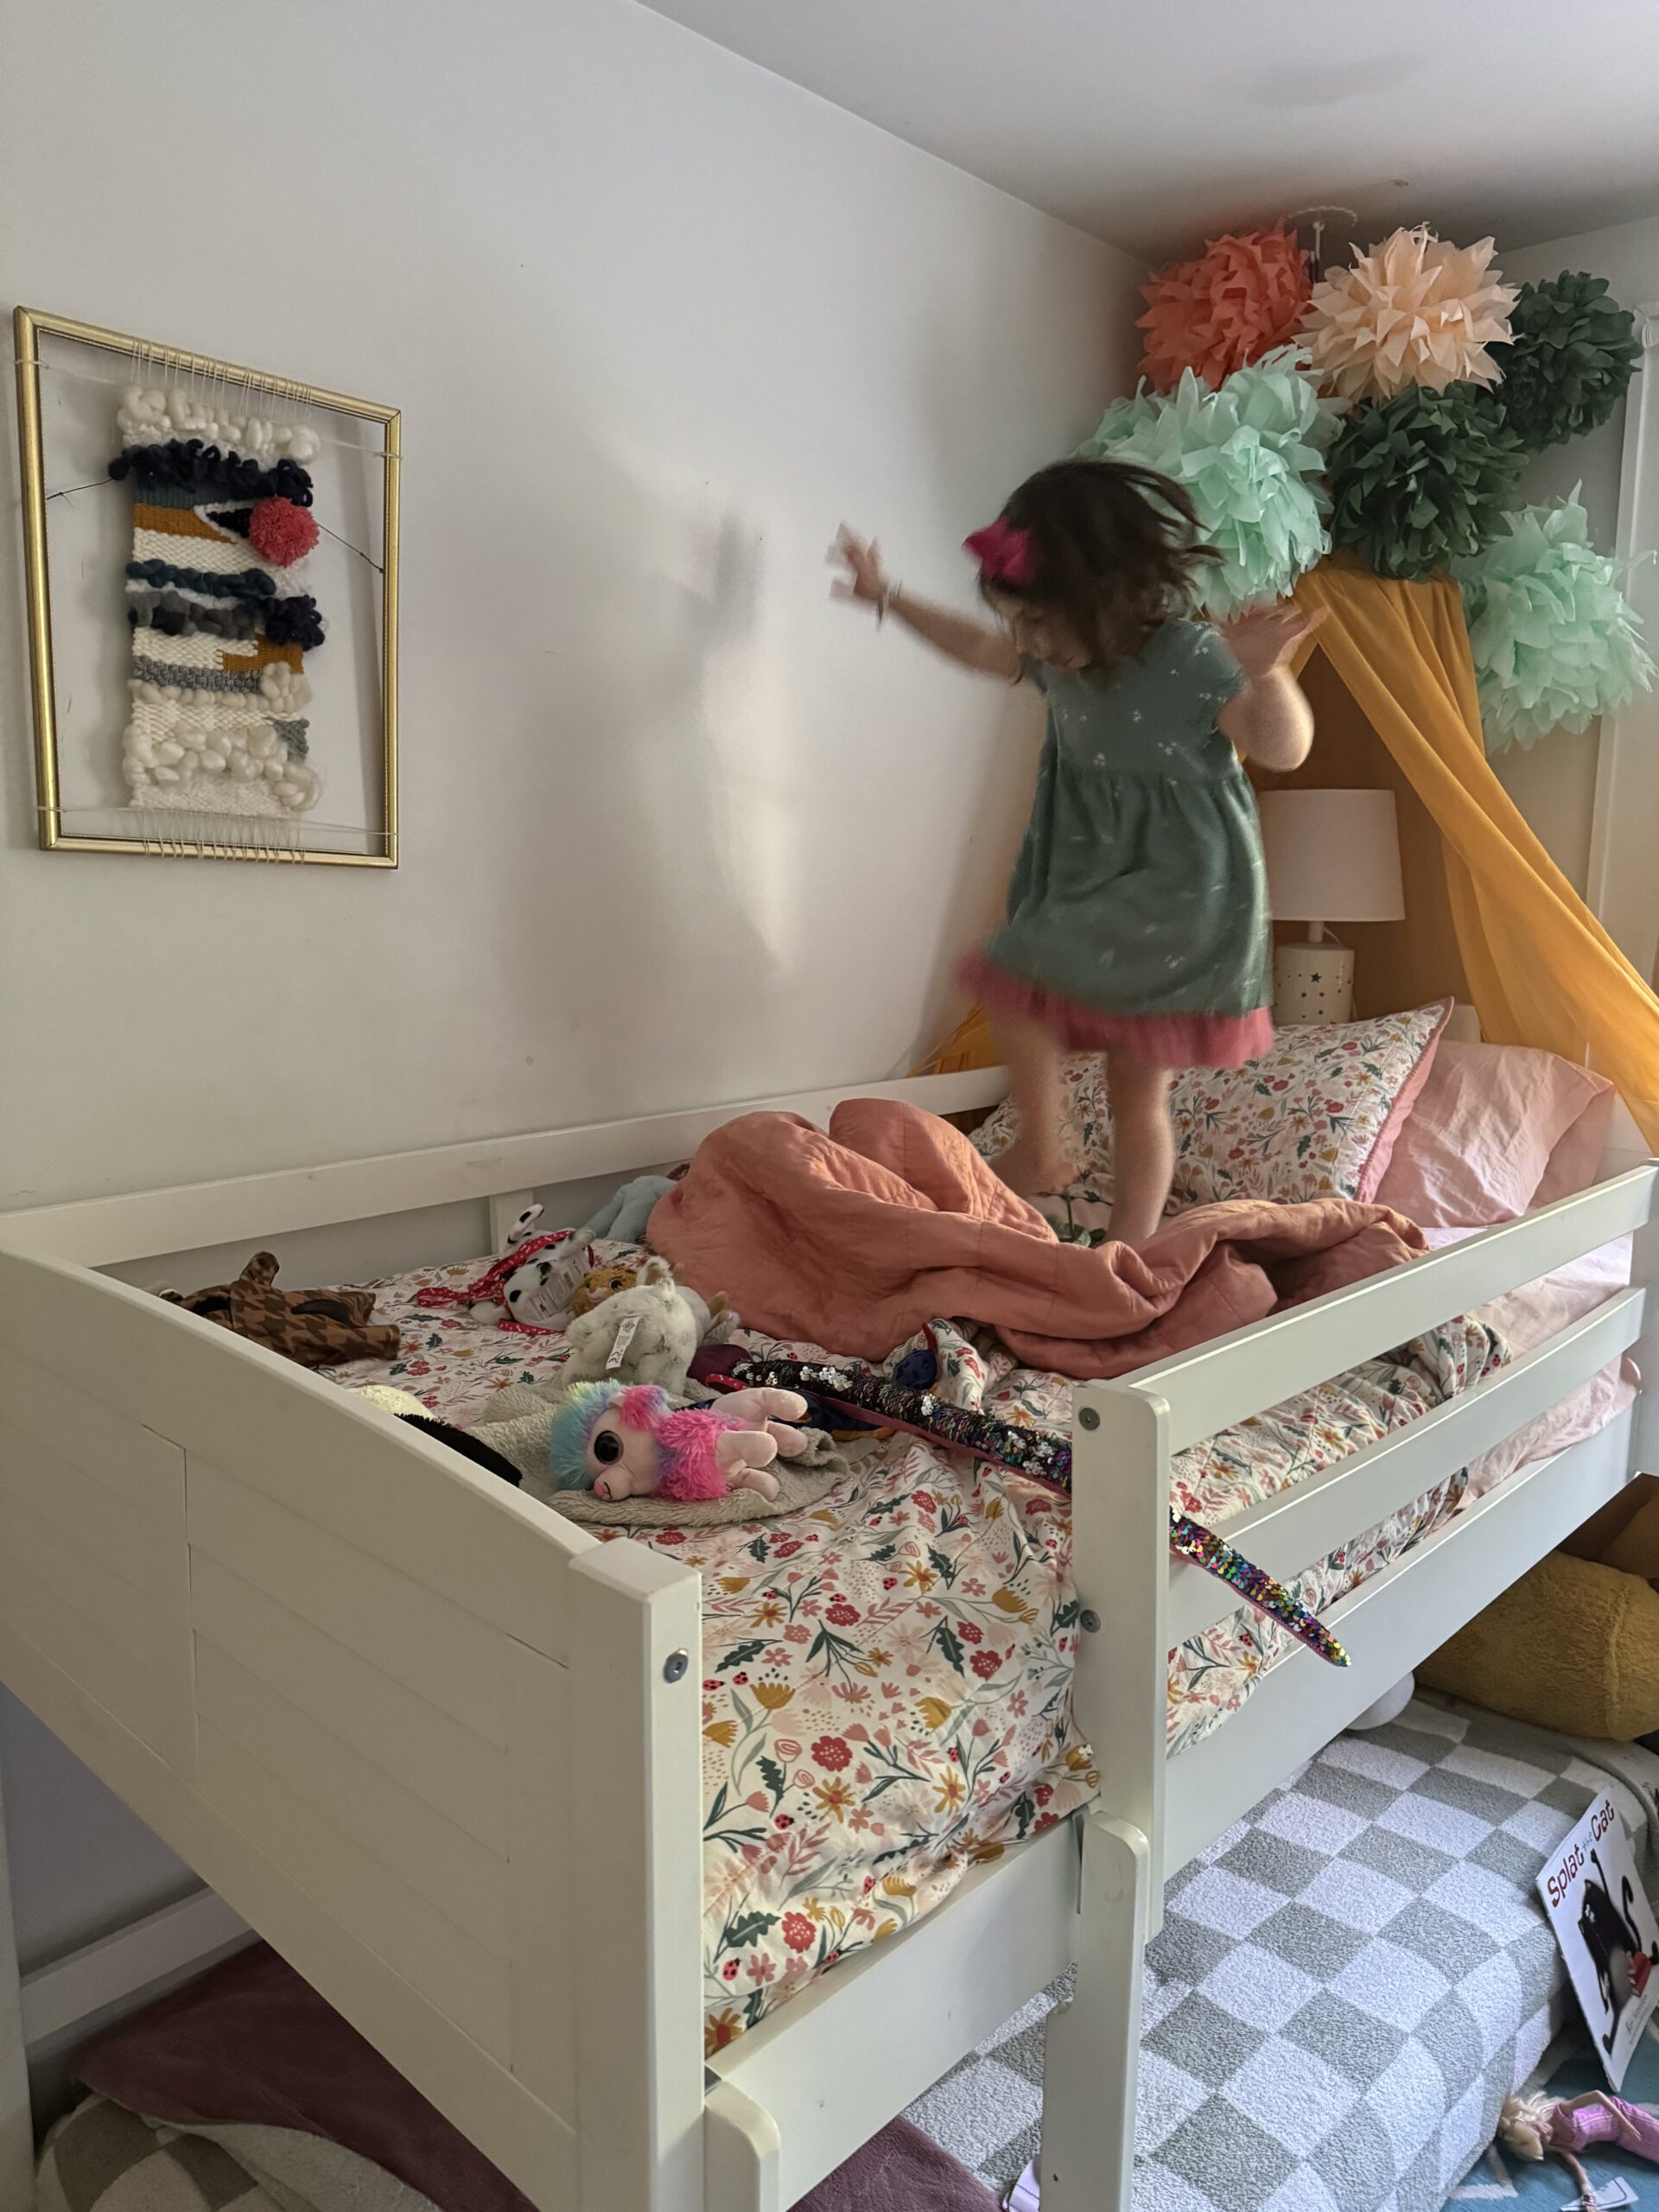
(628, 876)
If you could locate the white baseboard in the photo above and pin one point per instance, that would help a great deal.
(195, 1932)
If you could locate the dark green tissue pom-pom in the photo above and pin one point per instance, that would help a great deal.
(1573, 352)
(1423, 480)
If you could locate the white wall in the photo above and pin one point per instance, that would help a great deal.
(674, 829)
(1555, 783)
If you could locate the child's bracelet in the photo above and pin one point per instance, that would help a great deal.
(884, 604)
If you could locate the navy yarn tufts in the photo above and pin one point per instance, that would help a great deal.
(193, 467)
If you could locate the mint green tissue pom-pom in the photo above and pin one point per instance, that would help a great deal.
(1250, 454)
(1555, 641)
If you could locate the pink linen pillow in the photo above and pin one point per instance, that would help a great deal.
(1496, 1129)
(1316, 1117)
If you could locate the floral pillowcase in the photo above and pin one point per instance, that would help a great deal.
(1316, 1117)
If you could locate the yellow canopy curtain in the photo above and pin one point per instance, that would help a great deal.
(1541, 969)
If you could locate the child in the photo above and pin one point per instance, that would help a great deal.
(1137, 917)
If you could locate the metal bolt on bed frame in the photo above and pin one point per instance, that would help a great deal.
(1089, 1417)
(675, 1665)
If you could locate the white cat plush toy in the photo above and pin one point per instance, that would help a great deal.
(648, 1334)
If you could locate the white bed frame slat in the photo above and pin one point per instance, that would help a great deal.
(379, 1718)
(920, 2000)
(526, 2139)
(67, 1423)
(1272, 1360)
(455, 1873)
(125, 1540)
(423, 1945)
(131, 1694)
(216, 1397)
(1402, 1614)
(1298, 1526)
(427, 1642)
(541, 1893)
(101, 1232)
(438, 1746)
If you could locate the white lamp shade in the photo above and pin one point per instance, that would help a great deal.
(1332, 856)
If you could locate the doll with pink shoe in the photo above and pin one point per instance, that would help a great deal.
(1566, 2126)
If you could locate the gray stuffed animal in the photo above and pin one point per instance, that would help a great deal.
(648, 1334)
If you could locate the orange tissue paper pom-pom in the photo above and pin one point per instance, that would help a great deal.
(1243, 295)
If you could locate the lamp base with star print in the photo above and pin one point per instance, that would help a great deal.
(1312, 983)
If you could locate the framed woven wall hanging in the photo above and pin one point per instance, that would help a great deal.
(211, 555)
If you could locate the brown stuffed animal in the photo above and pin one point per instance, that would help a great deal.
(318, 1328)
(601, 1283)
(598, 1284)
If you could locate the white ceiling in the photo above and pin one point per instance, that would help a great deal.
(1152, 122)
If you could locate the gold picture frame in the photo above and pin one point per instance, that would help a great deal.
(30, 327)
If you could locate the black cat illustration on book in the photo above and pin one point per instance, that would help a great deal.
(1622, 1962)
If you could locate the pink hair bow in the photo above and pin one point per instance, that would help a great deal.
(1006, 554)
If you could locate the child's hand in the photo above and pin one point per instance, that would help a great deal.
(865, 579)
(1262, 640)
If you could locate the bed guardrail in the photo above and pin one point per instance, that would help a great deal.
(1222, 1382)
(1140, 1603)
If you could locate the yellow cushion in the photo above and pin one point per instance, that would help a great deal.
(1574, 1645)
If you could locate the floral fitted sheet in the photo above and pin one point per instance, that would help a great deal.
(886, 1677)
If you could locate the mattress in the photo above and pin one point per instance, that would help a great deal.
(886, 1677)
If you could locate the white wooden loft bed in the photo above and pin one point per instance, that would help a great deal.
(401, 1718)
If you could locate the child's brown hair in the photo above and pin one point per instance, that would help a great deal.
(1115, 551)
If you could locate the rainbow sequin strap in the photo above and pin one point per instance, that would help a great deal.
(1193, 1541)
(1030, 1451)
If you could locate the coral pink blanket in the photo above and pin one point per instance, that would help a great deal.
(855, 1240)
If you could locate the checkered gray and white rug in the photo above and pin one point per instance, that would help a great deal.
(1347, 1984)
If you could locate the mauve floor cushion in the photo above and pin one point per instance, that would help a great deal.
(250, 2042)
(900, 2170)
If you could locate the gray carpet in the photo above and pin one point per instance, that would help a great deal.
(1347, 1984)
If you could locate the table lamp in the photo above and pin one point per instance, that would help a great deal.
(1332, 856)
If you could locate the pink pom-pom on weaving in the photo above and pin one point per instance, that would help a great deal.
(281, 531)
(1242, 296)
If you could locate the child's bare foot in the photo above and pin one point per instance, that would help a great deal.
(1034, 1170)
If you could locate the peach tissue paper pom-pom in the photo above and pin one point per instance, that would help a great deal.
(1242, 296)
(1411, 311)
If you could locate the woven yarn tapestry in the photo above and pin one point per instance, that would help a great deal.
(220, 620)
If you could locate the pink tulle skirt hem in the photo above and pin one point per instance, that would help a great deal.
(1167, 1040)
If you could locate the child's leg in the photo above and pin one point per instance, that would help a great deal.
(1036, 1161)
(1143, 1148)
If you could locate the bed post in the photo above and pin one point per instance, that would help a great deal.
(1644, 1271)
(16, 2120)
(636, 1807)
(1120, 1521)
